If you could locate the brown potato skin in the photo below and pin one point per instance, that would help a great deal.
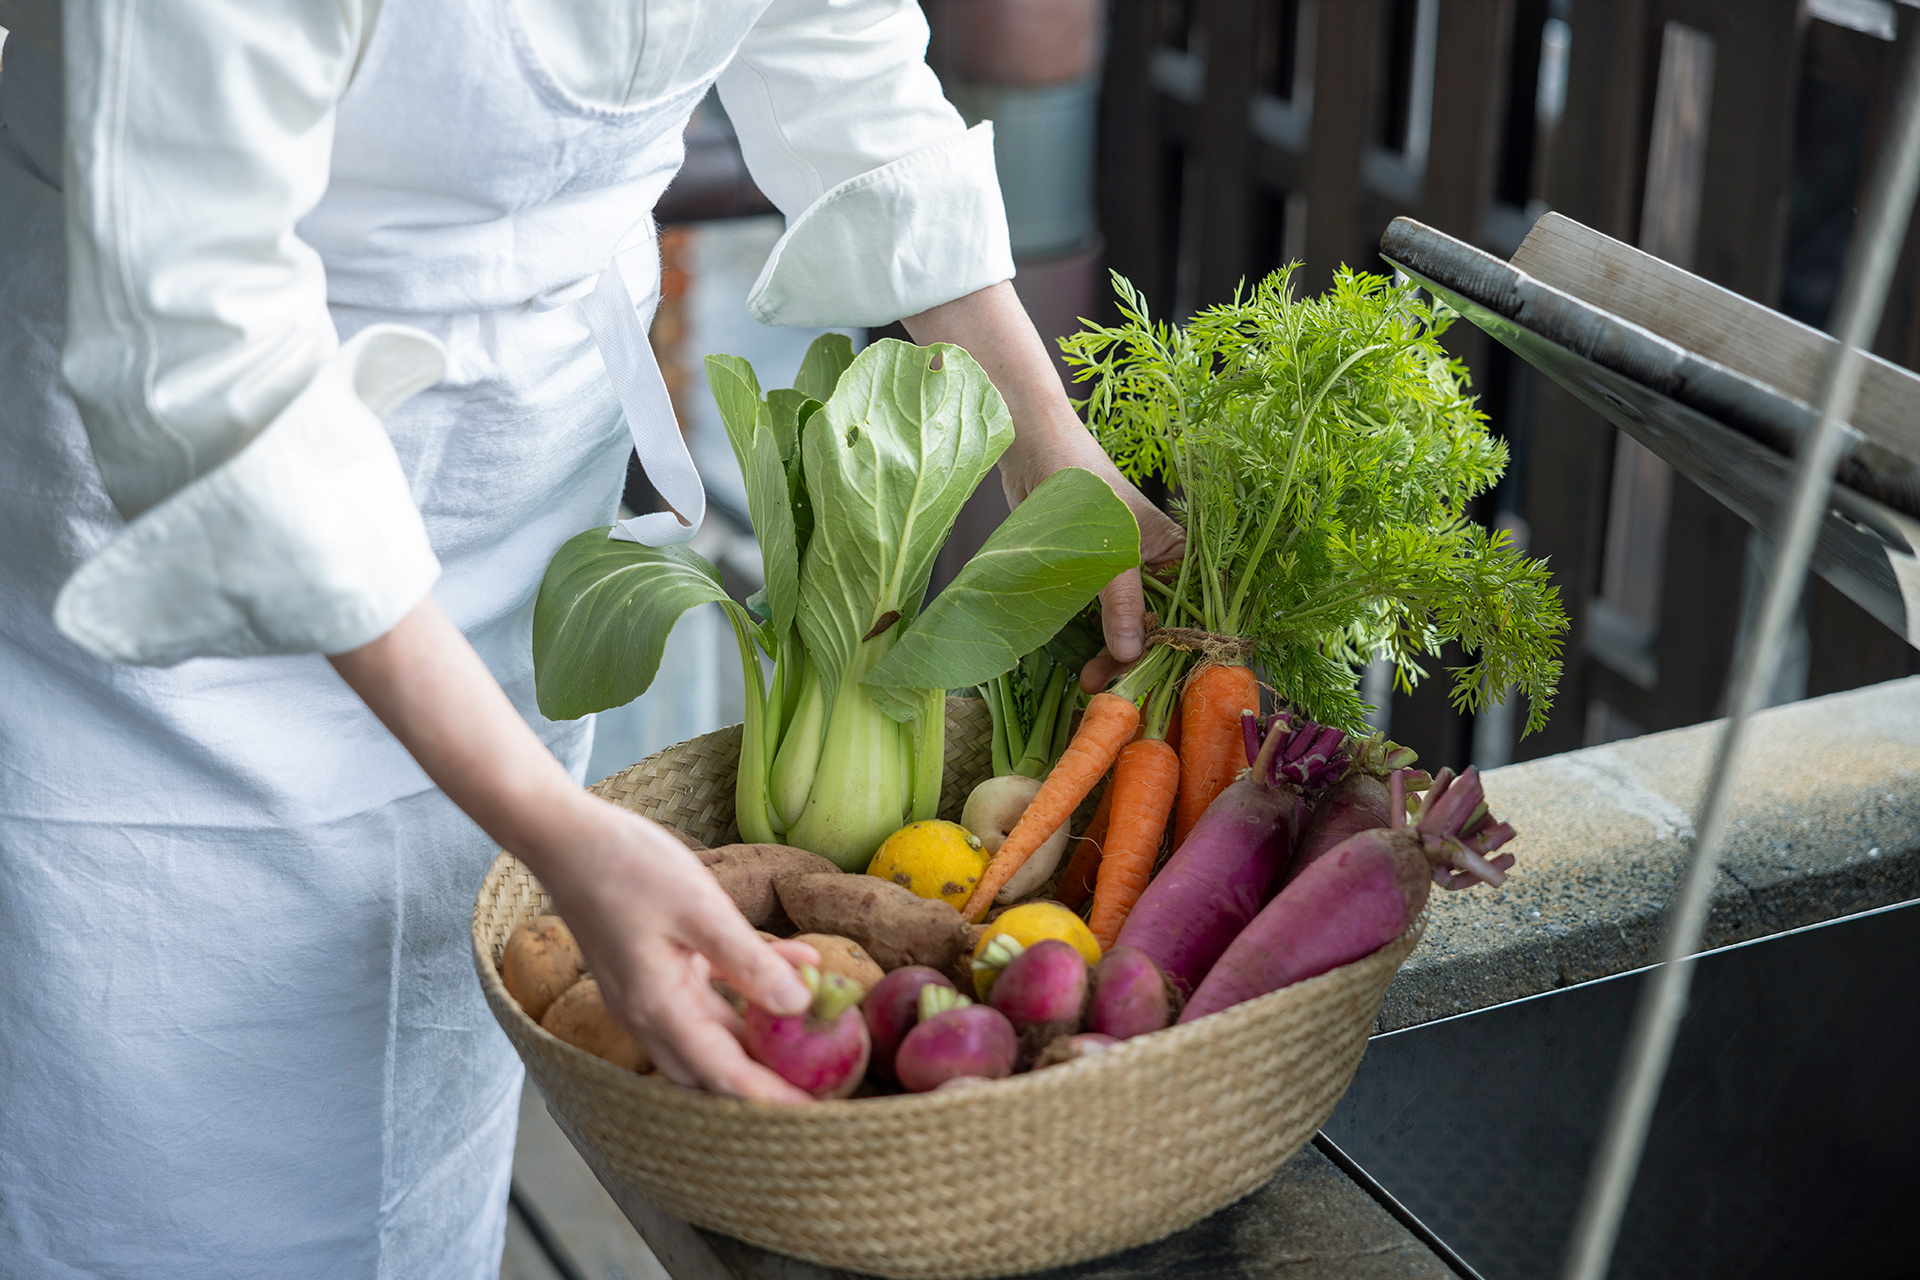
(539, 963)
(580, 1018)
(748, 872)
(843, 956)
(894, 926)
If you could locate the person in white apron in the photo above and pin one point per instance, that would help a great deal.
(321, 327)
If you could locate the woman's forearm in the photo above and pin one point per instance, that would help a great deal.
(992, 326)
(654, 924)
(428, 686)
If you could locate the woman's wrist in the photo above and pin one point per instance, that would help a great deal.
(992, 326)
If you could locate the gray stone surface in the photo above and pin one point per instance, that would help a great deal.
(1310, 1222)
(1826, 823)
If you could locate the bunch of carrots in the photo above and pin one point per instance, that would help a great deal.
(1164, 766)
(1322, 453)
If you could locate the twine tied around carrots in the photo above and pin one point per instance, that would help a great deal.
(1210, 645)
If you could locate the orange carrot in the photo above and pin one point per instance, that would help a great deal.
(1109, 721)
(1212, 749)
(1145, 779)
(1076, 882)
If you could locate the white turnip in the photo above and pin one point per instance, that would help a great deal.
(992, 810)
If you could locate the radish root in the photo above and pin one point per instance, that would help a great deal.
(1451, 822)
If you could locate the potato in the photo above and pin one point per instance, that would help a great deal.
(747, 872)
(894, 926)
(580, 1018)
(843, 956)
(539, 963)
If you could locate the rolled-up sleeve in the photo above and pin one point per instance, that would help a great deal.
(892, 203)
(266, 509)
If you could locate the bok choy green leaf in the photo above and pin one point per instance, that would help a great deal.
(854, 479)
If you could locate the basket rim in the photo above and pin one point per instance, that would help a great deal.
(1168, 1041)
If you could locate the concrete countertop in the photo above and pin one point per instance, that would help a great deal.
(1826, 823)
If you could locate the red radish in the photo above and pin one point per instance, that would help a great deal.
(823, 1051)
(1130, 995)
(892, 1007)
(1231, 862)
(1356, 803)
(1087, 1044)
(1362, 894)
(1042, 991)
(955, 1037)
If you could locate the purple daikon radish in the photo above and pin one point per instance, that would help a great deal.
(1363, 894)
(1233, 858)
(1356, 803)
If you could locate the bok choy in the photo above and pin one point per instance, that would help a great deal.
(854, 478)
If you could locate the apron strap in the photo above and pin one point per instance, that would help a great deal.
(615, 324)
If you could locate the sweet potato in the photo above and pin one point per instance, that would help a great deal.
(580, 1018)
(748, 871)
(894, 926)
(843, 956)
(540, 961)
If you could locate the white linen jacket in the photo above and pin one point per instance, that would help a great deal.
(198, 135)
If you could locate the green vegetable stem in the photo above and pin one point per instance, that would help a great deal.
(1322, 453)
(854, 478)
(1033, 704)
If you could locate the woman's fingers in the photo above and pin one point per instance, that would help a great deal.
(750, 965)
(1123, 616)
(1102, 670)
(720, 1065)
(723, 1013)
(797, 953)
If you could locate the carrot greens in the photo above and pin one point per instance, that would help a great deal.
(1321, 453)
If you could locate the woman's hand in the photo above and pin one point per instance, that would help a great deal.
(994, 329)
(653, 923)
(656, 929)
(1038, 455)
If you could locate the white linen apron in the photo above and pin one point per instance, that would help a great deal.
(239, 1029)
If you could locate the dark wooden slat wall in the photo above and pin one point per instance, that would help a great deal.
(1847, 647)
(1347, 48)
(1188, 182)
(1594, 165)
(1742, 237)
(1469, 106)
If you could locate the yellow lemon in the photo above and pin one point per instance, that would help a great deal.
(1029, 922)
(932, 859)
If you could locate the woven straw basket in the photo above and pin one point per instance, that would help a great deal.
(1039, 1170)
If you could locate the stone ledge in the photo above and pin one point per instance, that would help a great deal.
(1826, 823)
